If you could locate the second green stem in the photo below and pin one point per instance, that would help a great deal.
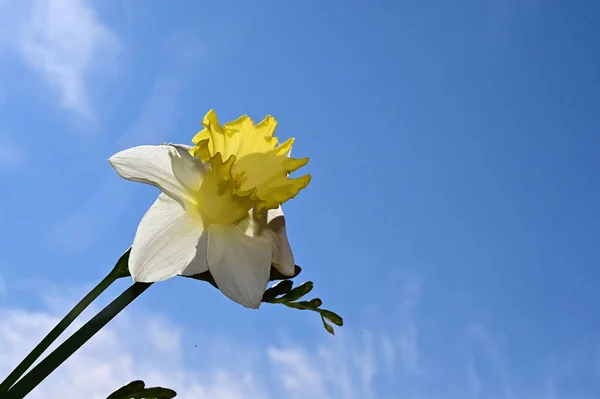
(74, 342)
(120, 270)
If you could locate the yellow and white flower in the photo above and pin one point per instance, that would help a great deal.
(220, 206)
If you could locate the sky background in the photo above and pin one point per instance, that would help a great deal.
(452, 218)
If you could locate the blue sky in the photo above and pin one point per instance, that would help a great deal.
(452, 218)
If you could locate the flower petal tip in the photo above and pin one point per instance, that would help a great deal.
(254, 305)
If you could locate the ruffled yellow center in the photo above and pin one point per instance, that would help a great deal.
(248, 169)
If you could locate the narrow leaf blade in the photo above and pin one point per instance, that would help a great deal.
(332, 317)
(127, 390)
(297, 292)
(327, 326)
(280, 288)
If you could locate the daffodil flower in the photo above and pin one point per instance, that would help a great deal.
(220, 206)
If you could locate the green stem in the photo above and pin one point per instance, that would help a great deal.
(120, 270)
(54, 334)
(74, 342)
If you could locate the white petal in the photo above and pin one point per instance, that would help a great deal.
(240, 264)
(283, 258)
(167, 243)
(170, 168)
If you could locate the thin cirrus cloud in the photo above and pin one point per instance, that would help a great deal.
(408, 334)
(120, 353)
(110, 360)
(356, 364)
(60, 39)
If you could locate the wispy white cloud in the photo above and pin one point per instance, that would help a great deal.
(77, 231)
(490, 347)
(298, 377)
(117, 355)
(408, 346)
(150, 347)
(388, 349)
(473, 379)
(342, 369)
(61, 40)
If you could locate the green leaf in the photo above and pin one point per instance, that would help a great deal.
(280, 288)
(316, 302)
(327, 326)
(313, 304)
(137, 390)
(206, 276)
(121, 268)
(127, 390)
(276, 274)
(332, 317)
(303, 305)
(296, 293)
(155, 393)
